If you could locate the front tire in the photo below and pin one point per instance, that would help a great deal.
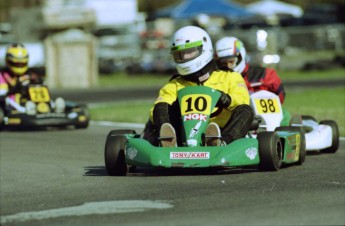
(114, 155)
(335, 136)
(270, 151)
(86, 113)
(121, 132)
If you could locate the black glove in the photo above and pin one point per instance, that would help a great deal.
(24, 80)
(22, 83)
(18, 88)
(224, 100)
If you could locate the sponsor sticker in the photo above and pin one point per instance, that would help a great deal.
(192, 142)
(298, 142)
(189, 155)
(14, 121)
(52, 114)
(251, 153)
(195, 130)
(131, 153)
(200, 117)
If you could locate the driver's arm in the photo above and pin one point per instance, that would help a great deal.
(160, 111)
(3, 89)
(237, 91)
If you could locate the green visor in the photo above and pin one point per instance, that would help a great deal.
(187, 52)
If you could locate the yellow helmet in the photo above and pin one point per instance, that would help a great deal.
(17, 58)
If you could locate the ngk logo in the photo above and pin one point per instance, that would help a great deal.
(199, 117)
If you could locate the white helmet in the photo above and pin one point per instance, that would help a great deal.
(191, 48)
(228, 48)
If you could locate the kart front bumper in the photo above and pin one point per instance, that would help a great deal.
(243, 152)
(43, 120)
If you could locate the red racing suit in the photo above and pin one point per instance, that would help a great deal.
(259, 78)
(8, 95)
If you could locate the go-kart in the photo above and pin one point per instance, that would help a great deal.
(41, 111)
(323, 135)
(269, 151)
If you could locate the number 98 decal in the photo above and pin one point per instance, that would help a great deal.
(267, 105)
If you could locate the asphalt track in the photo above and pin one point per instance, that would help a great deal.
(58, 177)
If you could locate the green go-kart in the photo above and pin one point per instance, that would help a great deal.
(268, 150)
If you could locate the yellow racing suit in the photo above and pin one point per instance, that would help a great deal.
(230, 83)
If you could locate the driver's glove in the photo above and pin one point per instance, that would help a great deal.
(21, 83)
(224, 100)
(24, 80)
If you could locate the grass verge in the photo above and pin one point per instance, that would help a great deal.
(146, 80)
(321, 103)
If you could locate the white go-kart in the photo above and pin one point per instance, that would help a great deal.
(319, 136)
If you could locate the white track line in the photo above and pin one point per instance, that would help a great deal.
(107, 207)
(119, 124)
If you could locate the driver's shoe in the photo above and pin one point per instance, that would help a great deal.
(60, 105)
(213, 135)
(167, 136)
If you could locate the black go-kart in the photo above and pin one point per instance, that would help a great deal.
(42, 112)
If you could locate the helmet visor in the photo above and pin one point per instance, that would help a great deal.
(17, 64)
(229, 62)
(187, 52)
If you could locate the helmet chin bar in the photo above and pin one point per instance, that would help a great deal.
(203, 74)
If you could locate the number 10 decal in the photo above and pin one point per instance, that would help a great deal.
(200, 104)
(196, 103)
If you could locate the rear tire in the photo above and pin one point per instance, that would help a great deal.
(114, 156)
(302, 147)
(335, 136)
(270, 151)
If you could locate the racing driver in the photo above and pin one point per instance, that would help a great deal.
(230, 54)
(192, 51)
(15, 76)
